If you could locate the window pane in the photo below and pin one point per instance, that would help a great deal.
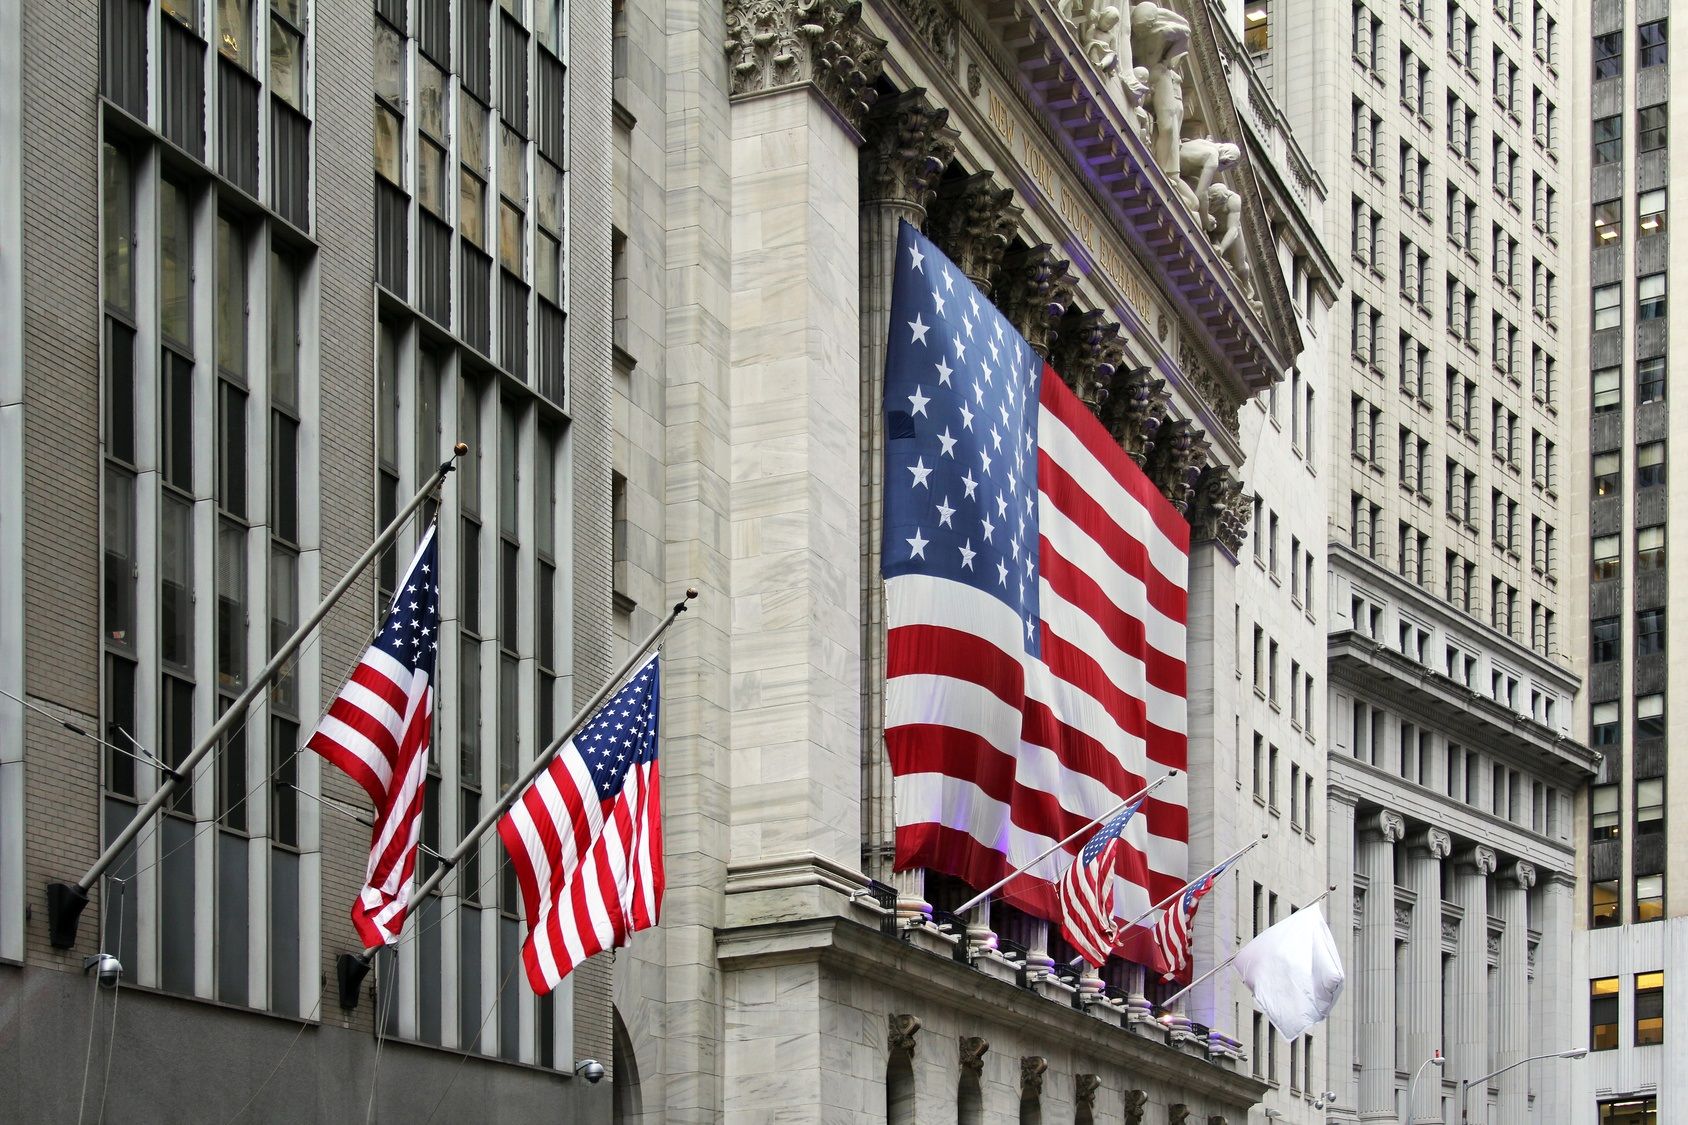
(389, 145)
(284, 619)
(118, 216)
(186, 11)
(234, 30)
(175, 610)
(431, 190)
(231, 449)
(231, 605)
(472, 127)
(389, 65)
(469, 714)
(118, 532)
(284, 478)
(431, 99)
(284, 333)
(120, 726)
(287, 63)
(471, 207)
(175, 262)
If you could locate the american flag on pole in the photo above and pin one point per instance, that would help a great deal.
(1177, 923)
(585, 838)
(1035, 585)
(378, 731)
(1086, 891)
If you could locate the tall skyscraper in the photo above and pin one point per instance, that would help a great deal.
(1453, 761)
(1630, 924)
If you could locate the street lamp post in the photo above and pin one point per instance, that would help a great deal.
(1435, 1059)
(1466, 1084)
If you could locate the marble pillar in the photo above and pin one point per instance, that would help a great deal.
(1468, 1019)
(1512, 1037)
(1551, 1015)
(1377, 967)
(1340, 1045)
(1422, 996)
(906, 144)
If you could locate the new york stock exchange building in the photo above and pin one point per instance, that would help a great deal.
(1118, 185)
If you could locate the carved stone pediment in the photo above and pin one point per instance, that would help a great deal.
(1033, 291)
(773, 44)
(906, 142)
(972, 220)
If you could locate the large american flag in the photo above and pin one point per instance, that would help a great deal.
(1086, 891)
(585, 838)
(378, 731)
(1177, 924)
(1035, 586)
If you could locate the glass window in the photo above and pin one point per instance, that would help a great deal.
(389, 65)
(1649, 464)
(1608, 222)
(1649, 898)
(1605, 635)
(1649, 1009)
(1650, 211)
(118, 532)
(1603, 1014)
(231, 448)
(175, 609)
(187, 11)
(1608, 306)
(1608, 55)
(1608, 139)
(1605, 818)
(284, 619)
(1605, 725)
(284, 333)
(1605, 554)
(1603, 903)
(1652, 125)
(1257, 26)
(231, 605)
(1608, 389)
(1650, 793)
(1654, 46)
(471, 207)
(1650, 379)
(234, 30)
(287, 59)
(1649, 632)
(1650, 297)
(175, 261)
(1650, 548)
(389, 145)
(118, 230)
(1608, 473)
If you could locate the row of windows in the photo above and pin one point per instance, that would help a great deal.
(1652, 133)
(1605, 816)
(1606, 385)
(1652, 49)
(1650, 301)
(1606, 719)
(1606, 555)
(1648, 1026)
(1651, 214)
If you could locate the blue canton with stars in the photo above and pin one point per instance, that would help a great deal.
(623, 732)
(961, 403)
(411, 632)
(1108, 832)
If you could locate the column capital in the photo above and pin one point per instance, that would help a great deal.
(1175, 458)
(1435, 841)
(1392, 826)
(973, 1048)
(1086, 352)
(1033, 291)
(1219, 509)
(903, 1028)
(1523, 873)
(971, 219)
(1133, 409)
(1482, 858)
(1032, 1070)
(779, 44)
(906, 142)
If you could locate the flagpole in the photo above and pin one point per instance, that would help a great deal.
(65, 901)
(1230, 859)
(471, 839)
(1170, 1000)
(1053, 848)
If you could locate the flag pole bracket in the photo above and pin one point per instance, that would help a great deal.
(65, 903)
(349, 970)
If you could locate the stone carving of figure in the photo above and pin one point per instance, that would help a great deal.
(1159, 40)
(1200, 160)
(1095, 23)
(1226, 207)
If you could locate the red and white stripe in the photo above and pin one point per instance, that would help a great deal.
(996, 756)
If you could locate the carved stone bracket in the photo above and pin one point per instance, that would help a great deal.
(1086, 352)
(773, 44)
(1136, 1103)
(1134, 409)
(1219, 509)
(1032, 1070)
(1033, 292)
(1177, 1114)
(973, 1048)
(903, 1029)
(1173, 459)
(971, 219)
(906, 143)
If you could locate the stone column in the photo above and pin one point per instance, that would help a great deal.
(1550, 1009)
(1377, 967)
(1512, 1037)
(907, 142)
(1468, 1021)
(1422, 997)
(1341, 1051)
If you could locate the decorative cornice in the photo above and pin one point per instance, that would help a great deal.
(973, 1048)
(971, 219)
(776, 44)
(1219, 509)
(906, 142)
(1032, 1070)
(1134, 410)
(1086, 352)
(934, 24)
(903, 1028)
(1178, 451)
(1033, 291)
(1199, 378)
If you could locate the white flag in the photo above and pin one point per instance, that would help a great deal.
(1294, 972)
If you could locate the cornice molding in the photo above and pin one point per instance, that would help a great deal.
(784, 44)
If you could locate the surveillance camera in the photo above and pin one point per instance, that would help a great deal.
(108, 969)
(590, 1069)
